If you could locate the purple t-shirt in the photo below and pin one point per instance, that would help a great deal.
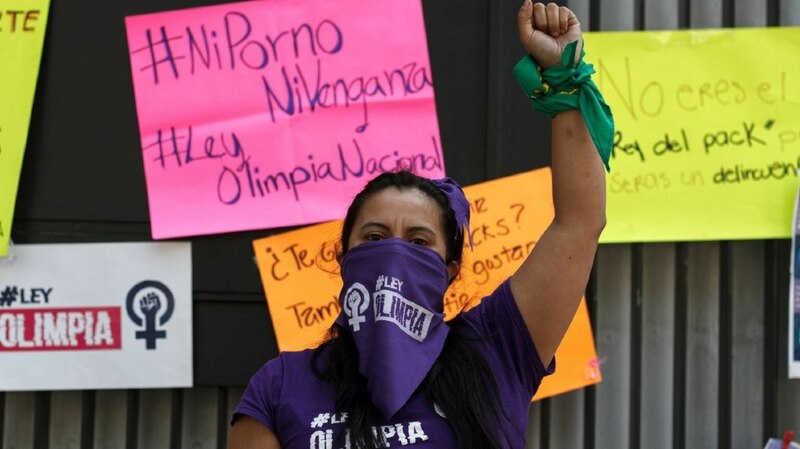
(299, 408)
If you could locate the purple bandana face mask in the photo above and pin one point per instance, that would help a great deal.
(392, 304)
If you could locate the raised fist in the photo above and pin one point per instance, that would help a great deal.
(545, 30)
(150, 304)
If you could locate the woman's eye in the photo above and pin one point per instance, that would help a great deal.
(422, 242)
(374, 237)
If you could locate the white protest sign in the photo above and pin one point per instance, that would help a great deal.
(96, 316)
(794, 296)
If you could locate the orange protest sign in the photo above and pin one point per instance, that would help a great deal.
(300, 272)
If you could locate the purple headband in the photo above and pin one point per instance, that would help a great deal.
(458, 202)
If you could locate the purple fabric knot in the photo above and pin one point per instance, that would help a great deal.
(458, 202)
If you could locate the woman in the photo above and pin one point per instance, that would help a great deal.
(393, 373)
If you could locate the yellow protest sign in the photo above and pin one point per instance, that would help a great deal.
(300, 272)
(708, 132)
(22, 27)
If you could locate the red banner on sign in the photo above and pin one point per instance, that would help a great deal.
(62, 329)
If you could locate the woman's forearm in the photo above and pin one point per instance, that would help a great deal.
(579, 192)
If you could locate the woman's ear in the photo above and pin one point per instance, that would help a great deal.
(452, 270)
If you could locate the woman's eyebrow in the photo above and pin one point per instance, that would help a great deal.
(408, 230)
(375, 224)
(420, 229)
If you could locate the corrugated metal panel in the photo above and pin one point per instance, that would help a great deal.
(18, 423)
(65, 419)
(658, 351)
(747, 386)
(110, 419)
(702, 357)
(613, 330)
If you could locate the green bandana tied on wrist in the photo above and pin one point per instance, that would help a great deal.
(565, 87)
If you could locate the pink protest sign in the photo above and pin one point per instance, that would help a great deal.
(275, 113)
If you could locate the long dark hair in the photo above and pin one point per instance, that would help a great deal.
(460, 382)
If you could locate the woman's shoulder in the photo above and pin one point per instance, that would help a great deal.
(291, 362)
(491, 310)
(284, 387)
(286, 372)
(292, 357)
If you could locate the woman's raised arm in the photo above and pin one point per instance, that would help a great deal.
(550, 283)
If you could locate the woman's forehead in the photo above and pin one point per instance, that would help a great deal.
(407, 205)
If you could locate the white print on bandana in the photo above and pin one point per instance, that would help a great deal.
(413, 319)
(356, 301)
(389, 282)
(400, 434)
